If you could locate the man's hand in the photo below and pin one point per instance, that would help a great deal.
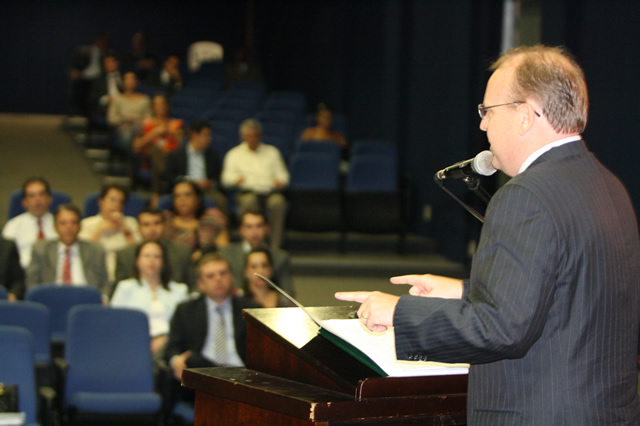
(431, 285)
(179, 363)
(376, 309)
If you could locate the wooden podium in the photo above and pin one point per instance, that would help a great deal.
(296, 377)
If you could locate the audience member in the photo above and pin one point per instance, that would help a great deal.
(323, 130)
(105, 87)
(110, 227)
(152, 291)
(160, 135)
(199, 163)
(151, 227)
(34, 224)
(68, 260)
(11, 273)
(138, 59)
(259, 174)
(169, 77)
(126, 112)
(191, 223)
(86, 68)
(209, 331)
(258, 261)
(254, 230)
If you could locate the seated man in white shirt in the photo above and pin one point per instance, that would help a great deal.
(110, 227)
(67, 260)
(34, 224)
(259, 174)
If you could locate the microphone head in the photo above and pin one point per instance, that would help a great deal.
(482, 164)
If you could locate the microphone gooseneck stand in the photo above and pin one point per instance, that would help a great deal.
(473, 183)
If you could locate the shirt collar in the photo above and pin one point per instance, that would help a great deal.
(533, 157)
(224, 306)
(258, 149)
(62, 247)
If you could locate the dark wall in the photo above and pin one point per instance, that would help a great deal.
(604, 36)
(37, 39)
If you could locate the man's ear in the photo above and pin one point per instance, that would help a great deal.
(527, 118)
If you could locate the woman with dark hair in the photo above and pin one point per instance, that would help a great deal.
(191, 223)
(152, 291)
(161, 135)
(259, 261)
(323, 130)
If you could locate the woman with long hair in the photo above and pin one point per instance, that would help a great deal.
(152, 291)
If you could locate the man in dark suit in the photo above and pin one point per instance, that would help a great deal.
(549, 317)
(197, 162)
(193, 339)
(105, 87)
(254, 230)
(68, 260)
(151, 226)
(11, 273)
(169, 77)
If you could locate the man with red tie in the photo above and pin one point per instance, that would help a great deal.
(34, 224)
(68, 260)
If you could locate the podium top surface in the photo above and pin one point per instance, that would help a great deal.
(285, 342)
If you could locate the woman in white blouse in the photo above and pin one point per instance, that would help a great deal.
(152, 291)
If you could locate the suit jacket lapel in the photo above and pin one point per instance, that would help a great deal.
(50, 273)
(201, 322)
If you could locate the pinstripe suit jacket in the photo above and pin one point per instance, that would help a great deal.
(549, 319)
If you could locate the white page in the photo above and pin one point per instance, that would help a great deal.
(380, 347)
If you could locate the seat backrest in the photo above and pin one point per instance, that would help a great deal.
(165, 201)
(314, 171)
(330, 147)
(287, 100)
(59, 299)
(374, 147)
(33, 316)
(15, 201)
(18, 367)
(372, 173)
(108, 350)
(135, 203)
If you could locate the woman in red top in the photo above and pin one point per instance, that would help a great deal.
(160, 135)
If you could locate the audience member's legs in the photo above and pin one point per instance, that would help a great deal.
(247, 201)
(157, 158)
(221, 200)
(276, 210)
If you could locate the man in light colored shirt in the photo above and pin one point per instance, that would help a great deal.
(259, 174)
(110, 227)
(193, 338)
(67, 260)
(34, 224)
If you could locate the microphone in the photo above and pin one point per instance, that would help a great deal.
(480, 165)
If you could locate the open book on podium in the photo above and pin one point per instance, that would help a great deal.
(375, 350)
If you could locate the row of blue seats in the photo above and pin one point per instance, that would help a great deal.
(107, 365)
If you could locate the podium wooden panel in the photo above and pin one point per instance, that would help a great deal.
(295, 376)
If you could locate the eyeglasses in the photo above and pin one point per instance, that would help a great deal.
(482, 109)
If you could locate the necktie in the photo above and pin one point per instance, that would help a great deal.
(40, 231)
(66, 267)
(220, 339)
